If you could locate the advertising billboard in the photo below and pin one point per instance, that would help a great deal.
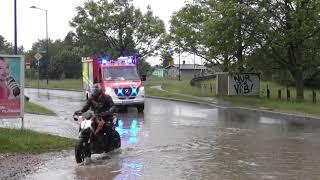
(11, 86)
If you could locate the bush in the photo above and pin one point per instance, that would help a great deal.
(31, 73)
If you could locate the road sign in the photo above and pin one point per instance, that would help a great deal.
(38, 63)
(38, 56)
(28, 64)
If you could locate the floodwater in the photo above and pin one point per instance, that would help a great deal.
(174, 140)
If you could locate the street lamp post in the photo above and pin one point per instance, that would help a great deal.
(15, 51)
(47, 40)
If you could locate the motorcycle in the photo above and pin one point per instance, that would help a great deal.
(93, 135)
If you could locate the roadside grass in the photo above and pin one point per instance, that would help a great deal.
(181, 87)
(184, 88)
(37, 109)
(274, 87)
(163, 94)
(27, 141)
(67, 84)
(295, 107)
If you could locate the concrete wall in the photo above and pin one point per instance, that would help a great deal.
(245, 84)
(222, 84)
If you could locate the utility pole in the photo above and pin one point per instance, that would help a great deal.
(194, 64)
(179, 65)
(47, 47)
(47, 41)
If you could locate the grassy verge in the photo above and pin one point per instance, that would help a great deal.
(274, 87)
(36, 109)
(27, 141)
(68, 84)
(181, 90)
(277, 105)
(158, 93)
(184, 88)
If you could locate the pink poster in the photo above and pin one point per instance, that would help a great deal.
(11, 86)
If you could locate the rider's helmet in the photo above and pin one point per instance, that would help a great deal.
(96, 90)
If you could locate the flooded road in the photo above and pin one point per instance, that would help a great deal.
(174, 140)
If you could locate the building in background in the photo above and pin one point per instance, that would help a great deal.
(187, 71)
(159, 72)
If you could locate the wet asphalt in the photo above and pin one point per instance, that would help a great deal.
(174, 140)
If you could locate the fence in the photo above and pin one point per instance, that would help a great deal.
(288, 94)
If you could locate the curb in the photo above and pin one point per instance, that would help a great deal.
(180, 100)
(35, 113)
(277, 113)
(61, 89)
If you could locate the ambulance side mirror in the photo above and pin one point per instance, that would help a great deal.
(143, 78)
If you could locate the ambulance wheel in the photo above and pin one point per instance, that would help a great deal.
(140, 108)
(123, 109)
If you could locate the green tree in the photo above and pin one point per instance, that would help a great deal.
(40, 47)
(166, 57)
(167, 47)
(215, 30)
(144, 67)
(64, 58)
(186, 30)
(226, 34)
(65, 64)
(289, 29)
(5, 47)
(117, 28)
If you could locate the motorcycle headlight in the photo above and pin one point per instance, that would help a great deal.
(108, 90)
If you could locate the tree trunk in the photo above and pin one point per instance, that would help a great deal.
(295, 57)
(239, 55)
(226, 63)
(299, 85)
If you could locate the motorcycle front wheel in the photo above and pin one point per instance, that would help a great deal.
(79, 150)
(117, 140)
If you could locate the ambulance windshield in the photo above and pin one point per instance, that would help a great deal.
(120, 73)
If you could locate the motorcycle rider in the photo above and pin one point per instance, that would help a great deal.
(99, 103)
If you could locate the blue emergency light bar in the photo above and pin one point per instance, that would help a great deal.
(126, 60)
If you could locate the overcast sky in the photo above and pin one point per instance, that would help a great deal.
(31, 22)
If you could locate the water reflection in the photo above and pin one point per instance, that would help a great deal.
(131, 169)
(128, 134)
(247, 120)
(110, 170)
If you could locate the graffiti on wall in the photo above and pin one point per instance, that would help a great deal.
(244, 84)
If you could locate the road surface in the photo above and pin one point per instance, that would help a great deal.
(174, 140)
